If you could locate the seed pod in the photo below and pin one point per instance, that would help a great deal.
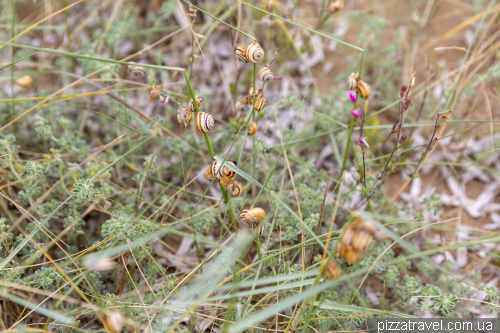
(252, 217)
(352, 81)
(241, 107)
(136, 70)
(204, 122)
(224, 181)
(241, 54)
(265, 74)
(332, 270)
(252, 129)
(235, 189)
(335, 6)
(199, 101)
(24, 81)
(153, 92)
(184, 116)
(363, 89)
(164, 99)
(260, 102)
(114, 321)
(254, 53)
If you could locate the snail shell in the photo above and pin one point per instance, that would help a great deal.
(241, 54)
(335, 6)
(204, 122)
(199, 101)
(226, 172)
(265, 74)
(235, 189)
(24, 81)
(184, 116)
(250, 91)
(260, 103)
(136, 70)
(363, 89)
(332, 270)
(224, 181)
(252, 129)
(153, 92)
(252, 217)
(241, 107)
(215, 168)
(351, 255)
(254, 53)
(352, 81)
(210, 175)
(114, 321)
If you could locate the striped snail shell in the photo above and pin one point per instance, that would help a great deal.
(251, 218)
(215, 168)
(209, 174)
(332, 270)
(241, 107)
(260, 102)
(204, 122)
(352, 81)
(235, 189)
(114, 321)
(252, 129)
(224, 181)
(250, 91)
(254, 53)
(241, 54)
(199, 101)
(153, 92)
(335, 6)
(184, 116)
(363, 89)
(265, 74)
(226, 172)
(136, 70)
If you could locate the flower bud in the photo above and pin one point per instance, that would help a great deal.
(356, 113)
(352, 96)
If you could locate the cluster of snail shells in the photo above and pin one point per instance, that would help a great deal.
(199, 101)
(361, 86)
(136, 70)
(356, 239)
(265, 74)
(252, 218)
(184, 116)
(224, 176)
(260, 102)
(252, 53)
(335, 6)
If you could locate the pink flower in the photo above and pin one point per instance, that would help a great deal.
(362, 142)
(352, 96)
(356, 113)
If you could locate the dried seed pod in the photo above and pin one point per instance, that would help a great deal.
(184, 116)
(204, 122)
(260, 102)
(199, 101)
(252, 217)
(363, 89)
(235, 189)
(153, 92)
(241, 54)
(136, 70)
(241, 107)
(224, 181)
(114, 321)
(24, 81)
(332, 270)
(352, 81)
(254, 53)
(335, 6)
(252, 129)
(265, 74)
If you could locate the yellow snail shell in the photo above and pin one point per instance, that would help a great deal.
(24, 81)
(199, 101)
(235, 189)
(332, 270)
(250, 91)
(204, 122)
(352, 81)
(252, 129)
(241, 54)
(184, 116)
(153, 92)
(265, 74)
(228, 172)
(260, 103)
(241, 107)
(254, 53)
(224, 181)
(114, 321)
(252, 217)
(363, 89)
(136, 70)
(209, 175)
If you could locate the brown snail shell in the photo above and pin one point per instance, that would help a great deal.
(251, 93)
(153, 92)
(209, 175)
(352, 81)
(363, 89)
(252, 217)
(199, 101)
(265, 74)
(335, 6)
(260, 102)
(204, 122)
(332, 270)
(136, 70)
(241, 54)
(184, 116)
(254, 53)
(235, 189)
(252, 129)
(224, 181)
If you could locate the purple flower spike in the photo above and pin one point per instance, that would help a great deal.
(356, 113)
(352, 96)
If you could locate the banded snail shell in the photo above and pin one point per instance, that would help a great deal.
(241, 107)
(136, 70)
(235, 189)
(209, 175)
(199, 101)
(260, 103)
(335, 6)
(252, 217)
(361, 240)
(332, 270)
(204, 122)
(114, 321)
(254, 53)
(252, 129)
(215, 169)
(241, 54)
(153, 92)
(228, 172)
(352, 81)
(224, 181)
(363, 89)
(265, 74)
(184, 116)
(250, 91)
(351, 255)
